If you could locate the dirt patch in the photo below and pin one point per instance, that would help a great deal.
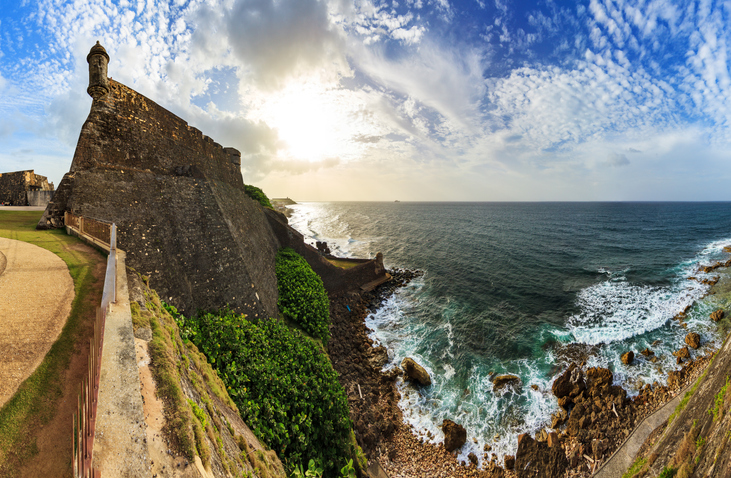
(36, 292)
(53, 438)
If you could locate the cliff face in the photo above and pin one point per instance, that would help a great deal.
(178, 200)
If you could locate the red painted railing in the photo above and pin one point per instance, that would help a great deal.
(84, 424)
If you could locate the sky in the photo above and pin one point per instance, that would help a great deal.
(422, 100)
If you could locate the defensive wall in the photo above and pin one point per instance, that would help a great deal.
(178, 200)
(25, 188)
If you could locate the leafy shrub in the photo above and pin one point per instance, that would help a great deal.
(302, 297)
(284, 386)
(257, 195)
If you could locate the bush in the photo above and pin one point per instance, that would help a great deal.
(284, 386)
(257, 195)
(302, 297)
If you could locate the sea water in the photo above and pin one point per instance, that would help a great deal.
(526, 288)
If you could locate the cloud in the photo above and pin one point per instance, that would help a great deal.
(276, 40)
(616, 160)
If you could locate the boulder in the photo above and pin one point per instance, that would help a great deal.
(502, 381)
(647, 352)
(693, 340)
(536, 459)
(553, 440)
(598, 378)
(682, 353)
(717, 315)
(598, 447)
(628, 357)
(415, 372)
(559, 418)
(454, 435)
(570, 383)
(509, 462)
(473, 458)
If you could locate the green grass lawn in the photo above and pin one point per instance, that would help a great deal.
(37, 400)
(343, 264)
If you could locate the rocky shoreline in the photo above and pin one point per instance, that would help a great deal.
(593, 420)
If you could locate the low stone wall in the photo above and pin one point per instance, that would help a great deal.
(39, 198)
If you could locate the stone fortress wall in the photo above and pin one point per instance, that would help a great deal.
(178, 200)
(25, 188)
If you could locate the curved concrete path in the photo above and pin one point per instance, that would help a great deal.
(622, 459)
(36, 291)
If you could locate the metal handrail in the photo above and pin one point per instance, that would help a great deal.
(84, 420)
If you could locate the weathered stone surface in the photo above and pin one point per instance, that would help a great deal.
(509, 461)
(502, 381)
(455, 435)
(535, 459)
(628, 357)
(15, 187)
(693, 340)
(415, 372)
(717, 315)
(473, 458)
(647, 352)
(553, 440)
(683, 353)
(570, 383)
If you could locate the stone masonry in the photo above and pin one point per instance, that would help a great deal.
(14, 187)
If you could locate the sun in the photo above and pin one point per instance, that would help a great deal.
(311, 120)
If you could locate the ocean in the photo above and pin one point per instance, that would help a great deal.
(525, 288)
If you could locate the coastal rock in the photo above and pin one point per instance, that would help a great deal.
(599, 378)
(379, 357)
(415, 372)
(473, 458)
(455, 435)
(553, 440)
(535, 459)
(509, 462)
(559, 418)
(570, 383)
(502, 381)
(628, 357)
(647, 352)
(598, 447)
(683, 353)
(717, 315)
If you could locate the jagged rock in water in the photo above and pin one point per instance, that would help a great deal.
(693, 340)
(628, 357)
(647, 352)
(535, 459)
(502, 381)
(570, 383)
(455, 435)
(415, 372)
(682, 353)
(717, 315)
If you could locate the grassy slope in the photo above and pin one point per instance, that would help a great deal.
(36, 401)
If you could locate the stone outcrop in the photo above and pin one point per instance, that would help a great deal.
(502, 381)
(682, 353)
(628, 357)
(415, 372)
(455, 435)
(537, 460)
(717, 315)
(693, 340)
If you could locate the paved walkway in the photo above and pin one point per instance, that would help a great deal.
(619, 463)
(36, 292)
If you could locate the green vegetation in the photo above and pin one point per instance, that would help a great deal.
(667, 472)
(283, 384)
(717, 410)
(257, 195)
(343, 264)
(635, 468)
(302, 297)
(36, 400)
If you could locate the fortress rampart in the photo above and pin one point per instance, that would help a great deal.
(178, 200)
